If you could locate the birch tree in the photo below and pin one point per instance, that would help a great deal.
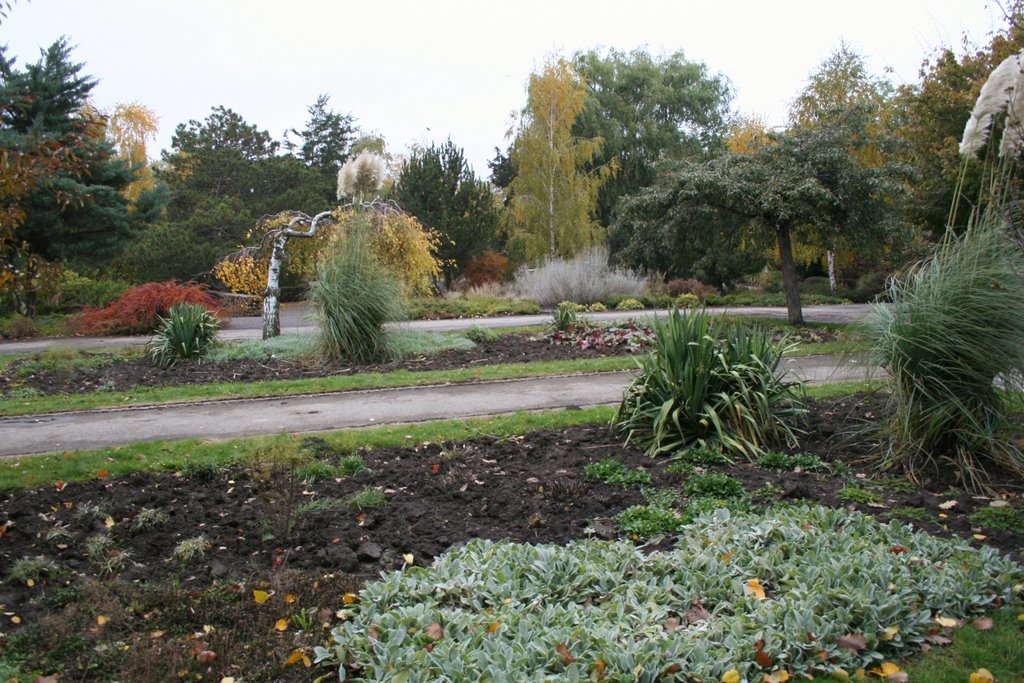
(552, 211)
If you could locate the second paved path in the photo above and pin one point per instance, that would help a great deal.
(321, 412)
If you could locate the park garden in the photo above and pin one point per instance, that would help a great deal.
(723, 522)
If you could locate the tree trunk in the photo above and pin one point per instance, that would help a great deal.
(796, 315)
(832, 270)
(272, 294)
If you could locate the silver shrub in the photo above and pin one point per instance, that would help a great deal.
(584, 279)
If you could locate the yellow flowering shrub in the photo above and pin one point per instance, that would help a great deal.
(398, 241)
(243, 274)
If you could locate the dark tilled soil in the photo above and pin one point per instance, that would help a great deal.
(528, 488)
(124, 375)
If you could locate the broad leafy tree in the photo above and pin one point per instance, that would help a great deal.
(804, 184)
(129, 128)
(437, 186)
(554, 195)
(647, 109)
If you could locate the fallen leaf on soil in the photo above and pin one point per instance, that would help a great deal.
(567, 657)
(897, 677)
(156, 634)
(228, 679)
(260, 596)
(754, 588)
(853, 642)
(983, 624)
(889, 634)
(281, 624)
(763, 659)
(15, 619)
(408, 557)
(101, 620)
(108, 522)
(948, 505)
(731, 676)
(289, 599)
(494, 627)
(999, 504)
(298, 656)
(671, 669)
(777, 677)
(207, 657)
(103, 473)
(349, 598)
(841, 674)
(59, 485)
(671, 625)
(947, 622)
(982, 675)
(435, 632)
(48, 679)
(980, 537)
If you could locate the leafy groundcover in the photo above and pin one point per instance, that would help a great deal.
(790, 592)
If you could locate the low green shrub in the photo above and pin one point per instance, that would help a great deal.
(597, 307)
(714, 485)
(480, 334)
(702, 455)
(709, 383)
(778, 460)
(507, 612)
(687, 301)
(645, 521)
(629, 305)
(434, 308)
(1011, 519)
(187, 333)
(612, 472)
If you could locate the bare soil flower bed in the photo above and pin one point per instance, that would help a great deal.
(143, 609)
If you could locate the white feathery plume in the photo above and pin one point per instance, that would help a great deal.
(995, 95)
(1013, 134)
(363, 174)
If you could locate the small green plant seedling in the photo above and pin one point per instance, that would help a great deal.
(32, 569)
(480, 334)
(369, 497)
(191, 549)
(644, 521)
(777, 460)
(714, 485)
(351, 465)
(611, 471)
(148, 519)
(320, 506)
(1011, 519)
(702, 455)
(857, 494)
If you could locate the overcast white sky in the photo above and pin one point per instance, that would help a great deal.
(420, 71)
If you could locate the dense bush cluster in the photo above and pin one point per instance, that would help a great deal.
(585, 279)
(139, 309)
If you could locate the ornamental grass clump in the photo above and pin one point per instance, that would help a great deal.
(712, 384)
(187, 333)
(953, 343)
(355, 295)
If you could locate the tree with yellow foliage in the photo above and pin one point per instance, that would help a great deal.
(129, 128)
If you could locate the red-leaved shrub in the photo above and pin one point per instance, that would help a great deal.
(137, 311)
(489, 266)
(689, 286)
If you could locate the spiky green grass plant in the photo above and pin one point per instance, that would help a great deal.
(354, 296)
(953, 341)
(187, 333)
(711, 384)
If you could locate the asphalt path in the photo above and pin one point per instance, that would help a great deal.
(297, 319)
(33, 434)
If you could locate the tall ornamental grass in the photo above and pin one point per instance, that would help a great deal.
(709, 383)
(585, 279)
(953, 343)
(355, 295)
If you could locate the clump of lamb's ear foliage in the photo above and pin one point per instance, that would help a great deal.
(709, 383)
(514, 612)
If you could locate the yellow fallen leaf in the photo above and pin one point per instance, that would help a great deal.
(408, 558)
(30, 583)
(108, 522)
(1020, 617)
(754, 588)
(349, 598)
(494, 627)
(982, 675)
(946, 622)
(948, 505)
(731, 676)
(260, 596)
(294, 658)
(860, 675)
(15, 619)
(980, 537)
(281, 624)
(887, 669)
(101, 620)
(289, 599)
(889, 634)
(840, 674)
(156, 634)
(228, 679)
(776, 677)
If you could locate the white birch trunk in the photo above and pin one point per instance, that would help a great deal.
(272, 294)
(832, 270)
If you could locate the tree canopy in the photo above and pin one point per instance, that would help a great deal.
(437, 186)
